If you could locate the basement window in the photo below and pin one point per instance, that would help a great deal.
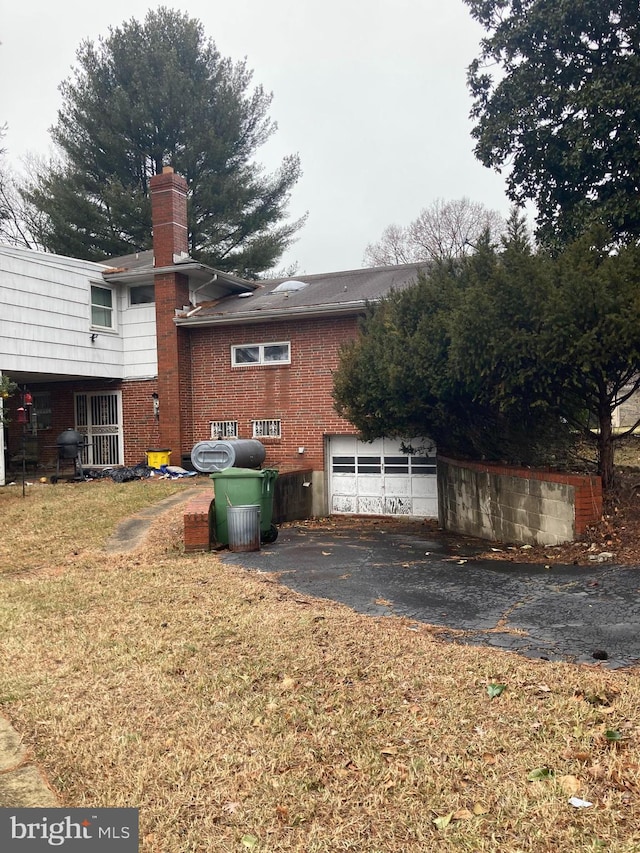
(271, 428)
(272, 353)
(224, 429)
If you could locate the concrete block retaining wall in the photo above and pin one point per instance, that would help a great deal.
(509, 504)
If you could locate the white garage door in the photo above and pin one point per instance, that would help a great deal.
(379, 479)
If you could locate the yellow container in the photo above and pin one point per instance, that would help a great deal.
(157, 458)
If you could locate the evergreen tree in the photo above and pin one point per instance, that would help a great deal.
(555, 101)
(507, 354)
(153, 94)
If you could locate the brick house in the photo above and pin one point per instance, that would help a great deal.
(155, 350)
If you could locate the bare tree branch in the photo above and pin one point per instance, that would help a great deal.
(442, 231)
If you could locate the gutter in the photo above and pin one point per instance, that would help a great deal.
(258, 316)
(193, 268)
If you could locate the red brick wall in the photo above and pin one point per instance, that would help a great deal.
(169, 213)
(174, 381)
(196, 522)
(298, 393)
(141, 431)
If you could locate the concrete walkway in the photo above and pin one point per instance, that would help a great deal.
(131, 532)
(22, 784)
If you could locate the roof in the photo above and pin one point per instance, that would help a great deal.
(51, 259)
(139, 266)
(134, 261)
(326, 294)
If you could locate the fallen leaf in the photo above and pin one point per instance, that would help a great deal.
(540, 773)
(462, 814)
(287, 683)
(249, 841)
(389, 750)
(570, 784)
(613, 735)
(231, 808)
(577, 754)
(489, 758)
(443, 821)
(495, 690)
(480, 809)
(383, 602)
(282, 813)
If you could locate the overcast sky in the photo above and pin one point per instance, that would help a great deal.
(370, 93)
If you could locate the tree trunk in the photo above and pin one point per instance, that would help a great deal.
(605, 450)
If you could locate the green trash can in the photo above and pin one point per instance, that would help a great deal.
(243, 487)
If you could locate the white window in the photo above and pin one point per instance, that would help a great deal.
(267, 428)
(101, 307)
(224, 429)
(273, 353)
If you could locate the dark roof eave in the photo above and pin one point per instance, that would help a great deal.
(258, 316)
(199, 272)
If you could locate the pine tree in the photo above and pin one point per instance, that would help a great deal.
(153, 94)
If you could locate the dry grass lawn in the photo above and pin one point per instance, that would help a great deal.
(240, 716)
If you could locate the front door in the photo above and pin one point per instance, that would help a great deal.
(99, 418)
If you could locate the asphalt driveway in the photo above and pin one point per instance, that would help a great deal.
(562, 613)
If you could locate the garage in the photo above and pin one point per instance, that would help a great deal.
(384, 477)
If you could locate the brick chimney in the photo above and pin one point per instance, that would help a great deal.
(169, 216)
(170, 239)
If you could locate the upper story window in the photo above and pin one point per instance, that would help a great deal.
(142, 294)
(275, 353)
(101, 307)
